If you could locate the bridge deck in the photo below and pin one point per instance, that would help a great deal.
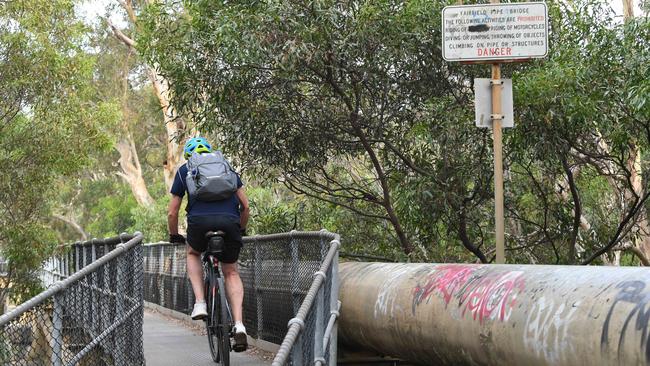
(168, 342)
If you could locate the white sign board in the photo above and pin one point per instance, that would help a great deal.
(511, 31)
(483, 103)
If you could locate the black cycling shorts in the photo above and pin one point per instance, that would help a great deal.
(197, 226)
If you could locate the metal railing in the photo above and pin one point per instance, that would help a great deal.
(279, 286)
(91, 314)
(312, 334)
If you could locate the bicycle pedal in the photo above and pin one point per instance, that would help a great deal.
(241, 343)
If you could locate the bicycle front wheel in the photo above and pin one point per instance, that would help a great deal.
(223, 327)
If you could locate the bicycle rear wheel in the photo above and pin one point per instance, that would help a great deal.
(211, 321)
(223, 327)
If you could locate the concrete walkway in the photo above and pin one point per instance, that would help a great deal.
(167, 342)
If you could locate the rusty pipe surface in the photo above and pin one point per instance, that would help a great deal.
(466, 314)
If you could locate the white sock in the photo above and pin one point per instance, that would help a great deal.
(200, 302)
(240, 326)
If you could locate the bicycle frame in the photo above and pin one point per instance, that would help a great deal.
(215, 265)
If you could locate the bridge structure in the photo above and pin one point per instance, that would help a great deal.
(427, 314)
(92, 312)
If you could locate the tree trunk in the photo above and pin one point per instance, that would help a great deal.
(641, 233)
(132, 172)
(628, 9)
(405, 244)
(173, 125)
(464, 238)
(613, 258)
(634, 250)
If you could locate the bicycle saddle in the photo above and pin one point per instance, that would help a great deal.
(215, 241)
(210, 234)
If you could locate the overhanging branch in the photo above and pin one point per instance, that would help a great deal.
(120, 35)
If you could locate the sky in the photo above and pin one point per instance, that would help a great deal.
(618, 7)
(92, 9)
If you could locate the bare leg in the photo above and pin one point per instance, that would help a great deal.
(234, 289)
(195, 273)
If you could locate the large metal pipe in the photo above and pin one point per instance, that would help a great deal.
(464, 314)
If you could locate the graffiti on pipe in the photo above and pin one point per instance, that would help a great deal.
(632, 292)
(483, 295)
(385, 300)
(547, 329)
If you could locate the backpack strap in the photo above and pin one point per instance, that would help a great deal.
(190, 201)
(178, 172)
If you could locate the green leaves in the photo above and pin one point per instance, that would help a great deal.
(49, 126)
(352, 104)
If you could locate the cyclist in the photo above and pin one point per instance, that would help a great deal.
(229, 215)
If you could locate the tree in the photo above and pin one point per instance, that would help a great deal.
(353, 105)
(174, 125)
(49, 127)
(316, 90)
(586, 121)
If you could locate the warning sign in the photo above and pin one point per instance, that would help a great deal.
(510, 31)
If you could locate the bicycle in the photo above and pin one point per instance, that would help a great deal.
(218, 323)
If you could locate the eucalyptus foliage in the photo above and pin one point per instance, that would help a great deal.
(351, 103)
(47, 129)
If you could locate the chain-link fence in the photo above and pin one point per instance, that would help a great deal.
(91, 314)
(311, 336)
(278, 272)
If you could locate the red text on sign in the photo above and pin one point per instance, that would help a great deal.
(498, 51)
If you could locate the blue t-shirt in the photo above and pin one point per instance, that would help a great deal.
(229, 206)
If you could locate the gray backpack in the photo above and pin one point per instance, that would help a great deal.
(210, 177)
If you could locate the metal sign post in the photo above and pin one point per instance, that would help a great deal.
(497, 117)
(492, 34)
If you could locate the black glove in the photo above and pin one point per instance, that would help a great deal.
(176, 238)
(243, 232)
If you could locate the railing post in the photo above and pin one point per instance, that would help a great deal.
(324, 248)
(258, 291)
(138, 293)
(334, 304)
(296, 351)
(146, 273)
(77, 263)
(77, 267)
(93, 295)
(161, 274)
(295, 259)
(70, 263)
(84, 299)
(295, 296)
(57, 336)
(66, 263)
(190, 293)
(319, 331)
(119, 339)
(105, 310)
(174, 278)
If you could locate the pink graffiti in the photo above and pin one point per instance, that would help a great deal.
(483, 295)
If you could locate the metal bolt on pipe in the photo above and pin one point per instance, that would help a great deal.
(465, 314)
